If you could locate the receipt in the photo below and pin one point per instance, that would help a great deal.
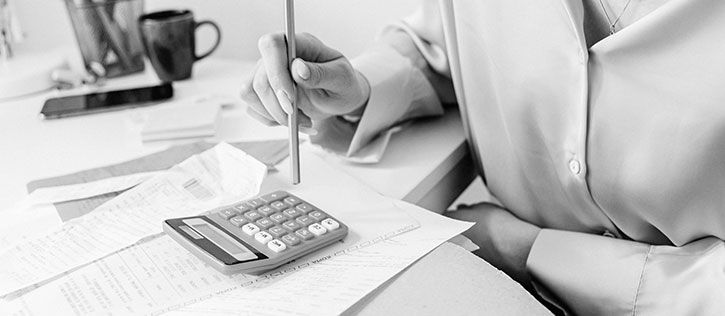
(160, 276)
(217, 176)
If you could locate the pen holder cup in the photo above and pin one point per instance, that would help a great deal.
(108, 35)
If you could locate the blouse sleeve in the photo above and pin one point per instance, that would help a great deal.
(409, 78)
(598, 275)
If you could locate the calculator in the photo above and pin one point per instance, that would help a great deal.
(256, 235)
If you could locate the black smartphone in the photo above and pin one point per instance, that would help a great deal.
(105, 101)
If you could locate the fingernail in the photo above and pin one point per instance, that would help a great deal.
(302, 70)
(284, 101)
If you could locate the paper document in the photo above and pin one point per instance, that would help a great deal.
(189, 118)
(268, 152)
(217, 176)
(85, 190)
(41, 218)
(160, 276)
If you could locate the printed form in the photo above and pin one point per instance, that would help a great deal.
(217, 176)
(160, 276)
(38, 211)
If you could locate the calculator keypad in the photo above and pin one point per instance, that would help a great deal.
(279, 221)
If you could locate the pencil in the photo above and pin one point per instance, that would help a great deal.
(294, 140)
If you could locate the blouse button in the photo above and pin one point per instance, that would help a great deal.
(575, 166)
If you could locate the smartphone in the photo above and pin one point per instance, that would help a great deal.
(105, 101)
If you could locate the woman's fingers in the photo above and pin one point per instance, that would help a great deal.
(266, 95)
(250, 97)
(273, 48)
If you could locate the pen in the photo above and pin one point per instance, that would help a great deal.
(294, 140)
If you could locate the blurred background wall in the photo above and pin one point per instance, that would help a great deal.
(348, 25)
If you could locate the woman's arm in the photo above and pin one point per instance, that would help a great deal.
(407, 70)
(597, 275)
(504, 240)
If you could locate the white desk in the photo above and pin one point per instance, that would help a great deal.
(425, 164)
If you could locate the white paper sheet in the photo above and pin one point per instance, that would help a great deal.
(79, 191)
(189, 118)
(41, 218)
(160, 276)
(217, 176)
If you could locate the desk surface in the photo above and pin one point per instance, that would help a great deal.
(421, 159)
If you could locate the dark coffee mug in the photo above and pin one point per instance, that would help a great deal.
(170, 42)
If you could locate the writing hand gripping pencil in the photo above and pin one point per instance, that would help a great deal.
(327, 84)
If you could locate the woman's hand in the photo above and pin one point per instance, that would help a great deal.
(504, 240)
(327, 84)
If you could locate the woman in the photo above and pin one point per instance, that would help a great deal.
(598, 125)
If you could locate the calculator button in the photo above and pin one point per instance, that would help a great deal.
(266, 210)
(276, 245)
(317, 229)
(292, 213)
(304, 234)
(277, 231)
(255, 203)
(330, 224)
(305, 220)
(265, 223)
(291, 240)
(279, 205)
(252, 215)
(242, 208)
(291, 225)
(305, 208)
(250, 229)
(228, 213)
(292, 200)
(238, 221)
(274, 196)
(278, 218)
(263, 237)
(317, 215)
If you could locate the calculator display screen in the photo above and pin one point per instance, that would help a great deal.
(223, 241)
(219, 240)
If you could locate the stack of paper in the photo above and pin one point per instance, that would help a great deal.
(157, 275)
(215, 177)
(186, 119)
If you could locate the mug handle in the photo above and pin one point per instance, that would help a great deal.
(216, 43)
